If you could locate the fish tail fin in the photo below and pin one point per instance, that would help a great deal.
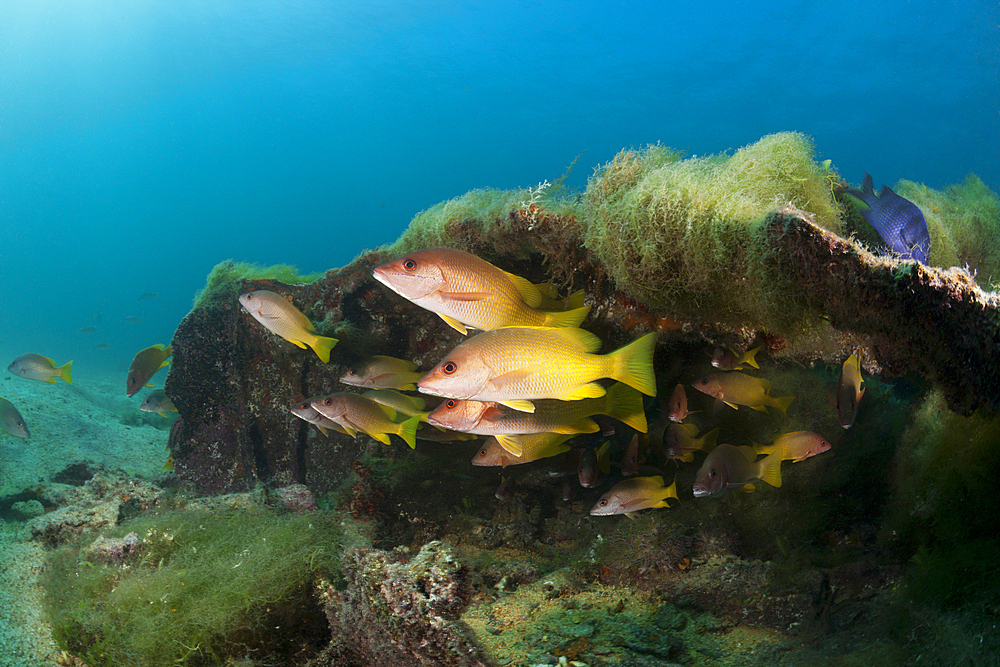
(672, 491)
(751, 356)
(634, 364)
(408, 431)
(64, 372)
(575, 300)
(566, 318)
(770, 468)
(624, 403)
(782, 403)
(322, 346)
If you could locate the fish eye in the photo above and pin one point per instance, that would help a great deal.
(603, 502)
(482, 452)
(712, 473)
(703, 381)
(449, 367)
(409, 264)
(328, 401)
(451, 403)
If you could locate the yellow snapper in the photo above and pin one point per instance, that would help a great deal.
(849, 391)
(489, 418)
(383, 372)
(735, 388)
(357, 413)
(632, 495)
(726, 360)
(11, 420)
(795, 447)
(144, 366)
(466, 291)
(280, 317)
(533, 447)
(158, 401)
(727, 468)
(681, 441)
(677, 406)
(37, 367)
(306, 412)
(515, 366)
(411, 406)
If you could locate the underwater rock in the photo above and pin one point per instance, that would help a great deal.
(295, 497)
(26, 509)
(398, 611)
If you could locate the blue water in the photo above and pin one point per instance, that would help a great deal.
(143, 141)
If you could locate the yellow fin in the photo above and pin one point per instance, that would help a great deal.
(408, 431)
(749, 355)
(511, 443)
(455, 324)
(624, 403)
(381, 437)
(322, 345)
(290, 340)
(531, 295)
(577, 339)
(519, 404)
(322, 429)
(748, 452)
(64, 372)
(633, 364)
(782, 403)
(566, 318)
(770, 469)
(748, 488)
(585, 425)
(589, 390)
(575, 300)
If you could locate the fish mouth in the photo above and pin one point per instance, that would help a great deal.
(701, 492)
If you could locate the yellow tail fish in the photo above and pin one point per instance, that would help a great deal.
(734, 389)
(357, 413)
(37, 367)
(145, 365)
(280, 317)
(515, 366)
(466, 291)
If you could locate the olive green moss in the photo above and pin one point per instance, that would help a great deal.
(946, 504)
(201, 590)
(687, 235)
(223, 282)
(964, 225)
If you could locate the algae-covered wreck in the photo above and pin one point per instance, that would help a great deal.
(411, 557)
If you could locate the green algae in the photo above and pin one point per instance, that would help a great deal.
(223, 282)
(199, 589)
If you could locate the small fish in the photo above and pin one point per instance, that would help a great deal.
(306, 412)
(681, 441)
(145, 365)
(515, 366)
(630, 459)
(103, 346)
(87, 330)
(677, 407)
(411, 406)
(132, 319)
(146, 296)
(383, 372)
(727, 468)
(37, 367)
(897, 220)
(158, 401)
(490, 418)
(466, 291)
(11, 420)
(725, 360)
(533, 447)
(632, 495)
(280, 317)
(595, 465)
(795, 447)
(506, 489)
(357, 413)
(734, 388)
(849, 391)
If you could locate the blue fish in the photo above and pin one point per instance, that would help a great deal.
(897, 220)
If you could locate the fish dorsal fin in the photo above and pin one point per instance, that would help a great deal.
(406, 363)
(386, 410)
(455, 324)
(528, 292)
(579, 339)
(519, 404)
(748, 452)
(511, 443)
